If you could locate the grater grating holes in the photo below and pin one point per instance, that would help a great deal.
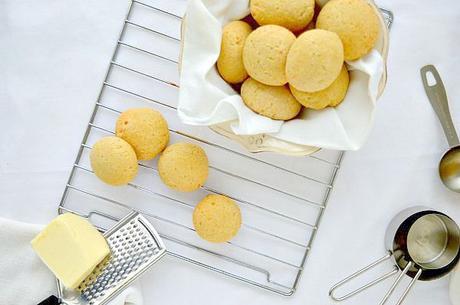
(119, 268)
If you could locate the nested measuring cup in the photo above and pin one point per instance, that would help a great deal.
(424, 244)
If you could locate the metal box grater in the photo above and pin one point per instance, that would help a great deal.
(134, 246)
(281, 198)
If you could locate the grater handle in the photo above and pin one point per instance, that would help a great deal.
(52, 300)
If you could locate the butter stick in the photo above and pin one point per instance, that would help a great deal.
(71, 248)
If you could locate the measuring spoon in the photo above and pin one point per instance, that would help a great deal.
(449, 166)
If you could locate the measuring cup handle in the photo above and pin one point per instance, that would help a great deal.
(438, 98)
(396, 282)
(377, 280)
(332, 291)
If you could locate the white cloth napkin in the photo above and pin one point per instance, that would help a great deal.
(206, 99)
(24, 279)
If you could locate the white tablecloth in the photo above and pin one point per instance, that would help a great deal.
(53, 57)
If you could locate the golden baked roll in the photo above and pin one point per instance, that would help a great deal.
(356, 23)
(145, 130)
(265, 53)
(183, 167)
(314, 60)
(291, 14)
(331, 96)
(274, 102)
(217, 218)
(113, 161)
(230, 61)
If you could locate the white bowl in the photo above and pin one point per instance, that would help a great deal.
(267, 143)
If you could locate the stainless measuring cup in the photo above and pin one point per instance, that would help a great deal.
(424, 244)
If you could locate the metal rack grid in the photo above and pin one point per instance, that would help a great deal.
(282, 198)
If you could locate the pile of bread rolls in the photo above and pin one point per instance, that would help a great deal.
(142, 134)
(290, 54)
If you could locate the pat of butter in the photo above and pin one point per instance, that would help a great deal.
(71, 248)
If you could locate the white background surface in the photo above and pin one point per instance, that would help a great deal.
(53, 57)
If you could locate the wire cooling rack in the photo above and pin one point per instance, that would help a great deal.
(282, 198)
